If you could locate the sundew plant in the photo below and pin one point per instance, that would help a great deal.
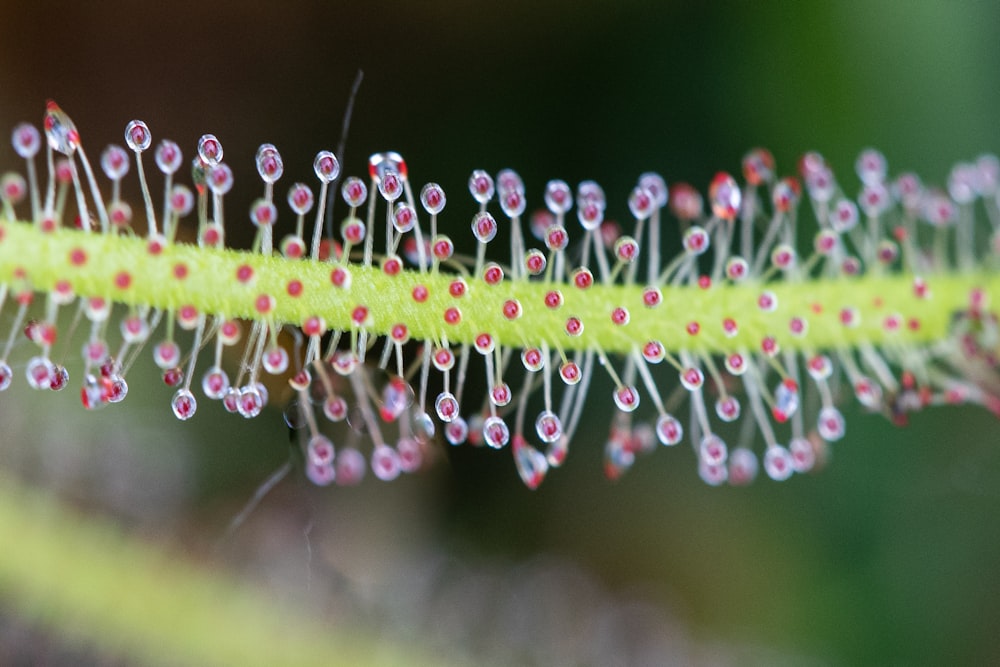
(699, 298)
(890, 301)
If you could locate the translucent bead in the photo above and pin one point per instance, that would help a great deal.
(508, 180)
(335, 409)
(134, 329)
(181, 200)
(778, 463)
(728, 409)
(725, 196)
(758, 166)
(321, 475)
(446, 407)
(692, 378)
(411, 454)
(269, 163)
(220, 179)
(120, 214)
(263, 213)
(26, 139)
(495, 432)
(786, 400)
(871, 167)
(820, 184)
(350, 467)
(390, 186)
(481, 186)
(404, 218)
(548, 426)
(385, 463)
(512, 203)
(743, 466)
(626, 398)
(40, 372)
(803, 454)
(93, 392)
(654, 184)
(432, 198)
(381, 163)
(326, 166)
(830, 424)
(963, 183)
(215, 383)
(457, 431)
(166, 354)
(115, 162)
(60, 132)
(500, 394)
(183, 404)
(685, 202)
(641, 202)
(210, 150)
(531, 464)
(713, 450)
(250, 402)
(874, 199)
(844, 217)
(13, 188)
(300, 198)
(484, 227)
(558, 198)
(6, 375)
(590, 215)
(423, 426)
(275, 360)
(320, 450)
(590, 192)
(117, 391)
(397, 396)
(168, 156)
(354, 191)
(137, 136)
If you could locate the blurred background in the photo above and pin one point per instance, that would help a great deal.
(887, 557)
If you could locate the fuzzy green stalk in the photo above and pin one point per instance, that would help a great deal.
(83, 579)
(35, 260)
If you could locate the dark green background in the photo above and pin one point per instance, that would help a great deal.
(887, 557)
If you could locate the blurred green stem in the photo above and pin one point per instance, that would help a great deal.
(82, 579)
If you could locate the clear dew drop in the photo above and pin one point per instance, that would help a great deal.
(184, 404)
(713, 450)
(269, 163)
(60, 132)
(6, 375)
(250, 402)
(385, 463)
(215, 383)
(40, 372)
(168, 156)
(137, 136)
(26, 140)
(548, 426)
(446, 407)
(531, 463)
(320, 450)
(778, 463)
(350, 466)
(830, 424)
(669, 430)
(210, 150)
(457, 431)
(495, 432)
(743, 466)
